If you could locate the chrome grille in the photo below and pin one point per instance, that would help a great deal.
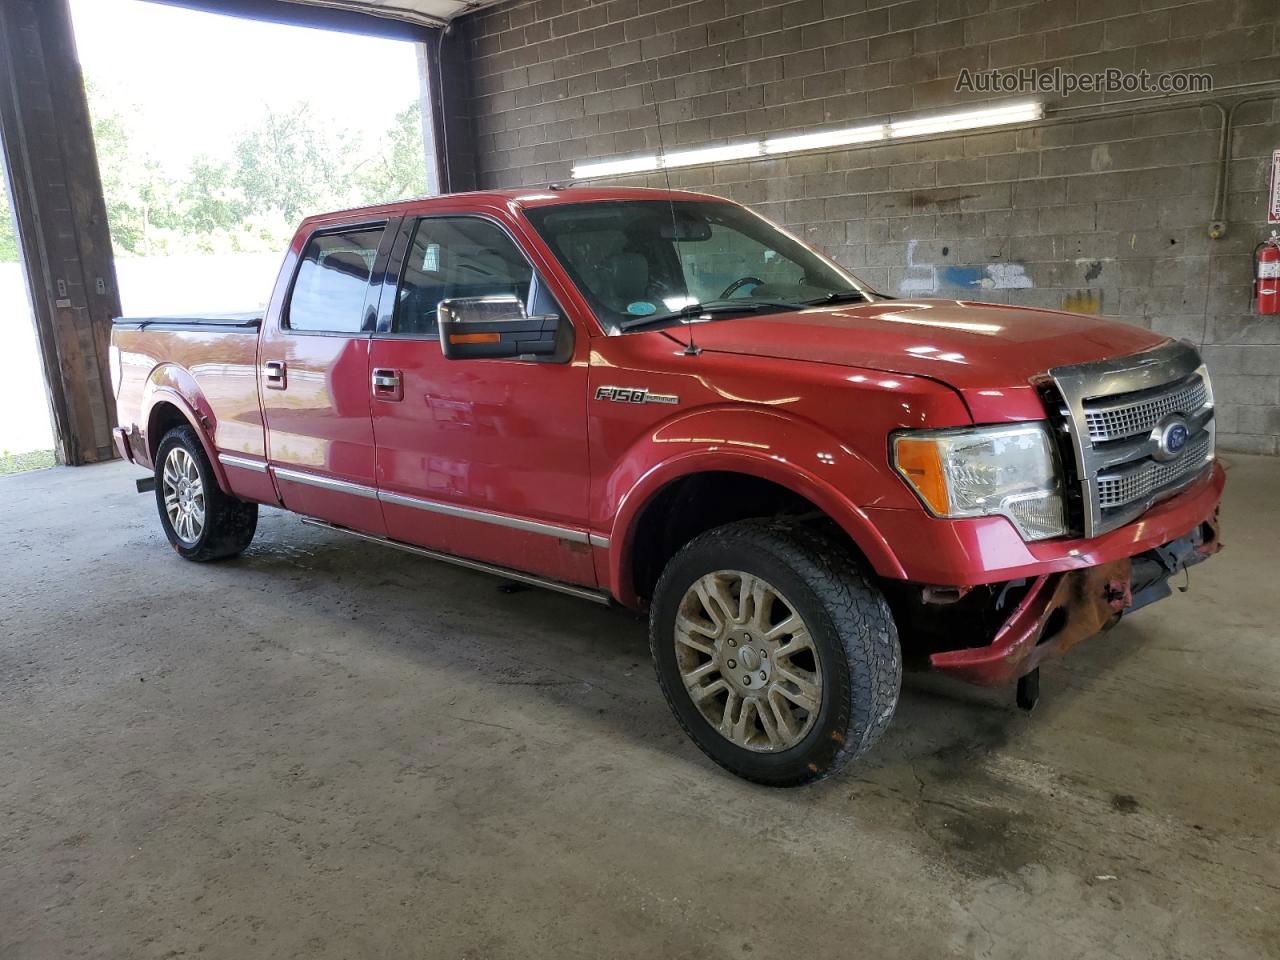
(1112, 411)
(1139, 414)
(1122, 487)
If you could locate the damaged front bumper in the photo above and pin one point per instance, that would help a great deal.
(1059, 610)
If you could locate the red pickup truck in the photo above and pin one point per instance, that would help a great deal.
(663, 400)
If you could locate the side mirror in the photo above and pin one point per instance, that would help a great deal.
(475, 327)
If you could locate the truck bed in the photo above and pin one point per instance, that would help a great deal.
(205, 364)
(227, 322)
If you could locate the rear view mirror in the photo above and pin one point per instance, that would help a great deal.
(476, 327)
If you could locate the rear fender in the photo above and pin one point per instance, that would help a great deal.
(792, 452)
(172, 384)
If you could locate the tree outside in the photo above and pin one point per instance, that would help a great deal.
(283, 167)
(8, 236)
(208, 166)
(229, 215)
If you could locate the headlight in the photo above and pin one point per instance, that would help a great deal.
(986, 471)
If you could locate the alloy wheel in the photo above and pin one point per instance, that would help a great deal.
(184, 500)
(748, 661)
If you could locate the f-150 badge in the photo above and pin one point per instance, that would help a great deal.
(634, 395)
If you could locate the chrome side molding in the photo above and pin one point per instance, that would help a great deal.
(244, 463)
(484, 516)
(569, 534)
(582, 593)
(326, 483)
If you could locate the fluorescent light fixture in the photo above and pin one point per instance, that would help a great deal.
(613, 168)
(689, 158)
(825, 139)
(1024, 111)
(968, 119)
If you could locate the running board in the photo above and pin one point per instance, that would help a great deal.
(582, 593)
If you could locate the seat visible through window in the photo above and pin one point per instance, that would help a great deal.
(333, 279)
(454, 257)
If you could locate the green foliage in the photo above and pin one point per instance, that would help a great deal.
(287, 164)
(8, 231)
(281, 169)
(400, 170)
(11, 463)
(211, 199)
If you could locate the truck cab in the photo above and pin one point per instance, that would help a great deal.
(663, 400)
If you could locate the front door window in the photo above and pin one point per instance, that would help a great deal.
(453, 257)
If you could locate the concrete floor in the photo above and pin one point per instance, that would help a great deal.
(326, 749)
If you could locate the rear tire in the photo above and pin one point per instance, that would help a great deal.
(201, 522)
(777, 656)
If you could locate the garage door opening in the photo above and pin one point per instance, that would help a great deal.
(216, 135)
(26, 431)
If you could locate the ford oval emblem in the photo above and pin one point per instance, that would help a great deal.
(1171, 438)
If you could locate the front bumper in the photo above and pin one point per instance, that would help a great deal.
(1061, 609)
(985, 550)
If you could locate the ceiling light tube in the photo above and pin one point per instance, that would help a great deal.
(1020, 112)
(968, 119)
(613, 168)
(689, 158)
(824, 139)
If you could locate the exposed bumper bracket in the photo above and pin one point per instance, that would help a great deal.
(1059, 610)
(1029, 690)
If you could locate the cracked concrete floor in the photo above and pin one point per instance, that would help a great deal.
(326, 749)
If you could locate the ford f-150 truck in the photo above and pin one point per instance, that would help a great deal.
(663, 400)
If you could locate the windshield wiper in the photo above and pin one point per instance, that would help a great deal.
(709, 307)
(839, 296)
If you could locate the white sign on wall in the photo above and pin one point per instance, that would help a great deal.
(1273, 195)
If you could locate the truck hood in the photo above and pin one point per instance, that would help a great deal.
(970, 346)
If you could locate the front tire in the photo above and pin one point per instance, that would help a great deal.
(777, 656)
(201, 522)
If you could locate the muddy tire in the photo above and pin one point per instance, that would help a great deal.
(201, 522)
(777, 655)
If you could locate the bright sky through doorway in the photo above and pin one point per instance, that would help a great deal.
(190, 81)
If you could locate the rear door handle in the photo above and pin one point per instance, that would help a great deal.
(387, 384)
(275, 374)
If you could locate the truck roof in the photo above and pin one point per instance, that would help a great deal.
(525, 197)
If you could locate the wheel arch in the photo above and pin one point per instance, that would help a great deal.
(172, 398)
(697, 491)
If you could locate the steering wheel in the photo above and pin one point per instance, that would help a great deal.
(737, 285)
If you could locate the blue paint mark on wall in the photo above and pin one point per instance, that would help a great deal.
(969, 277)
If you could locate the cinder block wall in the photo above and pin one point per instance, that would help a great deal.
(1107, 215)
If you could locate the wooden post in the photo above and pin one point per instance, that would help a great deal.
(62, 222)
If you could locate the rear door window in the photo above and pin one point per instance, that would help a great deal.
(333, 282)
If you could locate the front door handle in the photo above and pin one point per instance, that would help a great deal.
(387, 384)
(275, 373)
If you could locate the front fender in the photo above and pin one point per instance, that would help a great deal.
(781, 448)
(172, 384)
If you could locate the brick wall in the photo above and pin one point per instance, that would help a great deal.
(1102, 215)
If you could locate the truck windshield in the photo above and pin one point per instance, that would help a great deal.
(639, 262)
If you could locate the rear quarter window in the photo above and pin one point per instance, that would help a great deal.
(333, 281)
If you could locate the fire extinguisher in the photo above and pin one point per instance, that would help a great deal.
(1266, 285)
